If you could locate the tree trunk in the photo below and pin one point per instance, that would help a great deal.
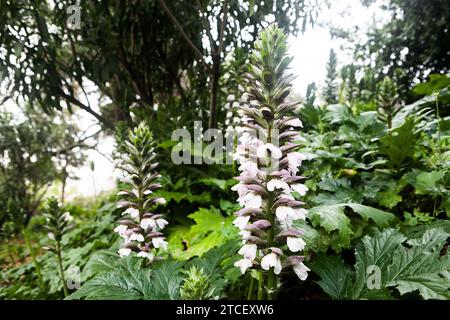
(215, 75)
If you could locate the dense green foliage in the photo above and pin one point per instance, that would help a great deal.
(377, 143)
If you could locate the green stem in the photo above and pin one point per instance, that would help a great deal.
(438, 131)
(61, 269)
(261, 287)
(250, 289)
(272, 285)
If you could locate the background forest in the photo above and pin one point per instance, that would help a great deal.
(376, 133)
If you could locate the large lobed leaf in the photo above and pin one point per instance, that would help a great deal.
(333, 218)
(409, 266)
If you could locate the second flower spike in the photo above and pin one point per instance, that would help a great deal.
(140, 227)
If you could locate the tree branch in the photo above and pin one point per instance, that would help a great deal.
(222, 26)
(84, 107)
(207, 27)
(183, 34)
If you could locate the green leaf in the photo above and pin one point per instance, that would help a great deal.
(408, 266)
(335, 275)
(427, 183)
(389, 198)
(333, 218)
(211, 229)
(398, 145)
(126, 279)
(436, 82)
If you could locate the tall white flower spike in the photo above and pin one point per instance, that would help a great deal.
(268, 164)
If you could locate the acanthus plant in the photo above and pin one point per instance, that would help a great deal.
(58, 222)
(140, 228)
(269, 166)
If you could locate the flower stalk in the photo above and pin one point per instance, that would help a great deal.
(268, 168)
(140, 227)
(58, 223)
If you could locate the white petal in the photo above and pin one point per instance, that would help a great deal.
(295, 244)
(124, 252)
(277, 267)
(250, 200)
(300, 213)
(133, 212)
(241, 222)
(249, 168)
(301, 271)
(269, 260)
(120, 229)
(283, 212)
(245, 234)
(161, 223)
(160, 201)
(300, 188)
(249, 251)
(67, 216)
(243, 264)
(159, 243)
(277, 184)
(261, 152)
(137, 236)
(147, 222)
(148, 255)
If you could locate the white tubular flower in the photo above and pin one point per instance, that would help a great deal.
(148, 223)
(275, 152)
(137, 237)
(148, 255)
(240, 188)
(284, 212)
(244, 234)
(241, 222)
(67, 216)
(249, 251)
(161, 223)
(271, 260)
(160, 201)
(301, 271)
(295, 160)
(250, 200)
(249, 168)
(133, 212)
(300, 188)
(277, 184)
(295, 244)
(243, 264)
(120, 229)
(300, 213)
(123, 252)
(159, 243)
